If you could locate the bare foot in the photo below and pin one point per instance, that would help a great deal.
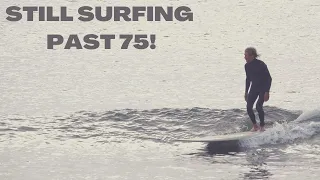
(255, 128)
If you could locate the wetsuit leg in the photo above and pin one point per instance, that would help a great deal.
(252, 97)
(259, 107)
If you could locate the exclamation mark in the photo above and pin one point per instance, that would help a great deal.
(153, 40)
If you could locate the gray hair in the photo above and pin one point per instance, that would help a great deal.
(252, 51)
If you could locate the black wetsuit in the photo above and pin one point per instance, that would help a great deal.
(258, 74)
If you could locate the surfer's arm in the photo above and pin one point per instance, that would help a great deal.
(247, 80)
(268, 79)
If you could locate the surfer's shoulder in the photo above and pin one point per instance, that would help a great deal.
(260, 62)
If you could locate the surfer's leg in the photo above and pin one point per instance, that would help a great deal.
(259, 107)
(252, 97)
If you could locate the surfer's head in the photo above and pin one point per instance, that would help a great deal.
(250, 54)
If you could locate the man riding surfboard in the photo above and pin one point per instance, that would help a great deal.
(257, 74)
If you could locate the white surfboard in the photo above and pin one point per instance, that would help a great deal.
(226, 137)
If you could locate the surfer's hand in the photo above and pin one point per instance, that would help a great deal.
(266, 96)
(245, 96)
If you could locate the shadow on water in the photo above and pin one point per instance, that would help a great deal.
(223, 147)
(255, 158)
(257, 172)
(219, 148)
(252, 161)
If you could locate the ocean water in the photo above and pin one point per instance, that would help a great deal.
(115, 114)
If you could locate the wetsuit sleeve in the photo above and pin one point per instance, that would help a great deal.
(268, 78)
(247, 79)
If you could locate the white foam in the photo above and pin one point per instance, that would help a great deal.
(307, 149)
(283, 133)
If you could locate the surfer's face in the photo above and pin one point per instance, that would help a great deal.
(248, 57)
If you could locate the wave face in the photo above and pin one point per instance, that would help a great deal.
(162, 125)
(119, 143)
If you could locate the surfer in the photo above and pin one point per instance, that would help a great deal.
(257, 74)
